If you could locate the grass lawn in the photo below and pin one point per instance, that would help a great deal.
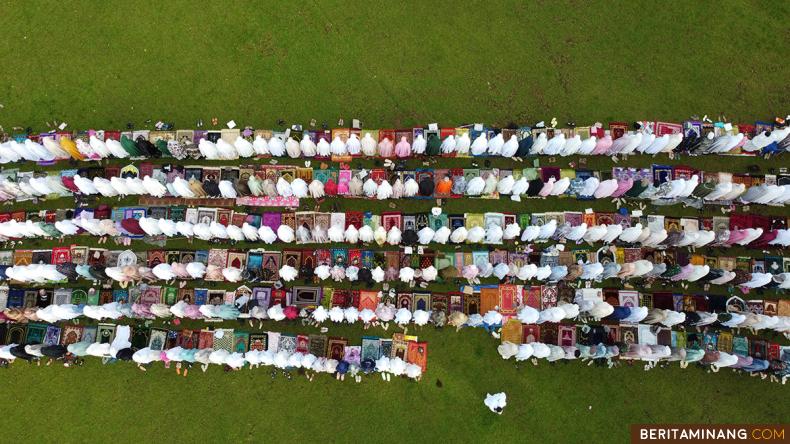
(391, 64)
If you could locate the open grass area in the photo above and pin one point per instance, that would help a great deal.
(103, 64)
(389, 63)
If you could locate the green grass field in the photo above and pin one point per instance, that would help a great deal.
(99, 64)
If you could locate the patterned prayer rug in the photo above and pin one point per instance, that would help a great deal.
(287, 343)
(157, 339)
(371, 348)
(318, 345)
(258, 341)
(225, 342)
(352, 354)
(336, 348)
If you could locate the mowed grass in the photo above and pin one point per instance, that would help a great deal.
(101, 64)
(548, 403)
(389, 63)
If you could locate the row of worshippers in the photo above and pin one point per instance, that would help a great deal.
(387, 312)
(363, 184)
(412, 143)
(502, 271)
(340, 232)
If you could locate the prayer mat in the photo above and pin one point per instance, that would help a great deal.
(16, 334)
(597, 334)
(677, 302)
(509, 296)
(157, 339)
(774, 352)
(471, 304)
(371, 348)
(611, 296)
(400, 346)
(200, 295)
(694, 340)
(386, 347)
(688, 303)
(258, 341)
(241, 341)
(783, 308)
(169, 295)
(368, 299)
(185, 339)
(287, 343)
(770, 308)
(584, 334)
(30, 298)
(474, 220)
(679, 339)
(326, 300)
(405, 301)
(261, 297)
(341, 298)
(61, 296)
(271, 266)
(710, 340)
(274, 341)
(549, 333)
(52, 336)
(548, 296)
(664, 336)
(206, 339)
(755, 306)
(302, 344)
(740, 345)
(725, 342)
(532, 296)
(511, 331)
(280, 297)
(628, 298)
(612, 334)
(292, 258)
(418, 354)
(661, 174)
(439, 303)
(758, 349)
(456, 302)
(530, 333)
(663, 300)
(617, 129)
(646, 335)
(70, 334)
(35, 333)
(663, 128)
(172, 338)
(318, 345)
(105, 333)
(225, 342)
(306, 296)
(422, 301)
(489, 299)
(565, 294)
(337, 348)
(89, 334)
(567, 335)
(629, 334)
(105, 297)
(352, 354)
